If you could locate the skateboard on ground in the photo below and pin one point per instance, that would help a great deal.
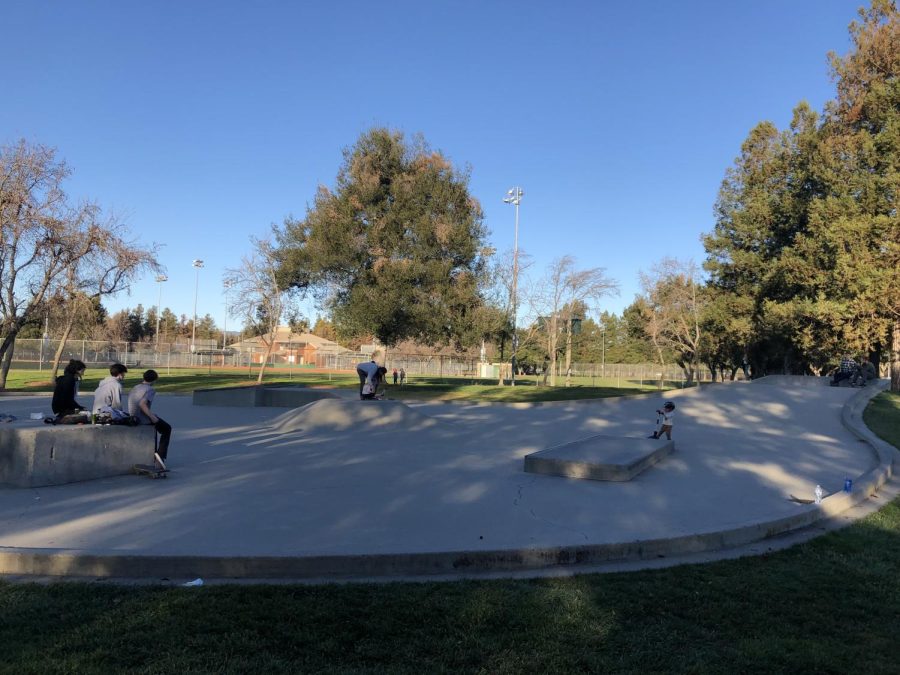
(149, 470)
(156, 470)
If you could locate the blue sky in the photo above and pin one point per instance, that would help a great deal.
(205, 122)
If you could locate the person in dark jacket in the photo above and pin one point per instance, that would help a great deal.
(66, 389)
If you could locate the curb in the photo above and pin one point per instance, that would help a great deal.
(71, 563)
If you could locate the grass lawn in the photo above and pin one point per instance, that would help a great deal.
(186, 380)
(829, 605)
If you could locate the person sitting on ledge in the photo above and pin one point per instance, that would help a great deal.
(139, 401)
(66, 390)
(109, 392)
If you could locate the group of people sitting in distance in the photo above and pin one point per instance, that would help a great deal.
(108, 401)
(858, 374)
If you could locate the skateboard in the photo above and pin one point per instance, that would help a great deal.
(156, 470)
(149, 470)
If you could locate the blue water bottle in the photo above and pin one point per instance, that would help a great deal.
(848, 485)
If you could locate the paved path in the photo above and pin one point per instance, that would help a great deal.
(442, 477)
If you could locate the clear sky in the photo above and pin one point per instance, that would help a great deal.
(204, 122)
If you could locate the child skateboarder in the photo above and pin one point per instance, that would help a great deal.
(667, 415)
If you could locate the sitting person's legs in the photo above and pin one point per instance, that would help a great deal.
(164, 429)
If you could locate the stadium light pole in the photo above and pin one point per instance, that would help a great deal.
(514, 197)
(197, 264)
(227, 285)
(160, 278)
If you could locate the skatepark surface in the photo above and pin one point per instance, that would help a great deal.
(343, 482)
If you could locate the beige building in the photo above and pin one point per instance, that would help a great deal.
(296, 348)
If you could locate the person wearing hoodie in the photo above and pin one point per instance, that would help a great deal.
(109, 391)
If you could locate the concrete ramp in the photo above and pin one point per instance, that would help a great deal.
(259, 396)
(356, 416)
(793, 381)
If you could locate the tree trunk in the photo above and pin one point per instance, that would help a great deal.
(62, 345)
(262, 366)
(553, 342)
(6, 354)
(895, 356)
(569, 353)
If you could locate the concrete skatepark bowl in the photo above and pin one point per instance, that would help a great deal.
(342, 488)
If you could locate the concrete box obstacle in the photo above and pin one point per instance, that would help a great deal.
(42, 456)
(257, 396)
(612, 458)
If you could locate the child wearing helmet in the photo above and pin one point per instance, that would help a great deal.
(667, 413)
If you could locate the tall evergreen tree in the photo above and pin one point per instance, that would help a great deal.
(397, 249)
(861, 154)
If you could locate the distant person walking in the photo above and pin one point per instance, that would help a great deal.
(396, 375)
(402, 376)
(66, 389)
(140, 401)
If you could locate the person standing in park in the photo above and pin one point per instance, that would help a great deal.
(109, 391)
(66, 389)
(402, 376)
(366, 371)
(140, 401)
(395, 377)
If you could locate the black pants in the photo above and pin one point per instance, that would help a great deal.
(840, 377)
(164, 429)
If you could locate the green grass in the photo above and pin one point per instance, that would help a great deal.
(826, 606)
(186, 380)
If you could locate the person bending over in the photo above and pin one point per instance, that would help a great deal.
(367, 372)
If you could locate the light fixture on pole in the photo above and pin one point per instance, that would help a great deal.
(227, 284)
(197, 264)
(160, 278)
(514, 197)
(603, 362)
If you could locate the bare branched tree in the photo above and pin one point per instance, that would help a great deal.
(42, 238)
(257, 296)
(106, 262)
(563, 291)
(673, 305)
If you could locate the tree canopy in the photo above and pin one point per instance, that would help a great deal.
(805, 254)
(396, 249)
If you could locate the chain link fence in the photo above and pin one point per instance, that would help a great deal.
(39, 354)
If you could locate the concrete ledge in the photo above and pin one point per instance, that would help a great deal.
(42, 562)
(259, 396)
(54, 455)
(613, 458)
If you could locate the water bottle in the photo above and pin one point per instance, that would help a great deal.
(819, 494)
(848, 485)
